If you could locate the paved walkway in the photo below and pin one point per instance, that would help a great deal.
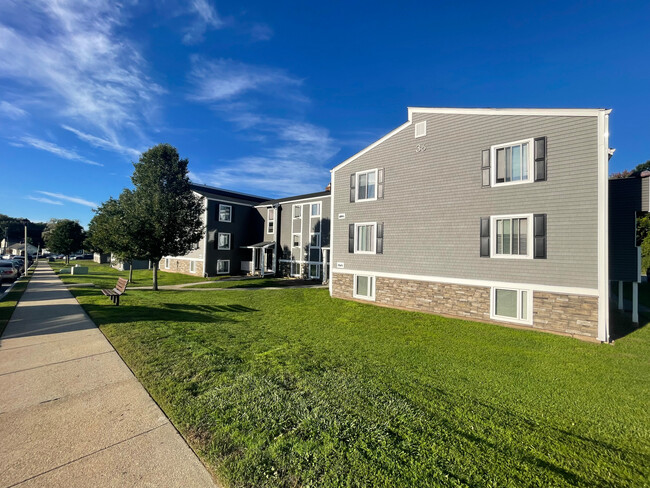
(71, 412)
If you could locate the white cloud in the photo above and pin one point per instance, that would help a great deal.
(222, 80)
(261, 32)
(12, 111)
(71, 58)
(61, 196)
(111, 145)
(44, 200)
(206, 18)
(58, 150)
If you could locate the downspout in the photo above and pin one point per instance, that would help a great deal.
(331, 253)
(603, 226)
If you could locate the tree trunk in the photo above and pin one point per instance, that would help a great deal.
(67, 259)
(131, 271)
(155, 278)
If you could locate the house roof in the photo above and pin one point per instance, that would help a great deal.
(212, 192)
(294, 198)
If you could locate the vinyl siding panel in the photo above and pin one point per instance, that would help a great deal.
(433, 200)
(645, 194)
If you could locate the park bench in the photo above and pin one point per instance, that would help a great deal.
(115, 293)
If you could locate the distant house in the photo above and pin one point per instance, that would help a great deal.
(296, 237)
(18, 248)
(121, 265)
(231, 223)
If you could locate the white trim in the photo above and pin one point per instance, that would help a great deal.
(603, 226)
(320, 210)
(291, 273)
(305, 200)
(558, 112)
(268, 220)
(219, 234)
(319, 242)
(229, 214)
(225, 200)
(167, 263)
(493, 236)
(293, 211)
(317, 275)
(374, 237)
(356, 188)
(417, 127)
(372, 282)
(205, 234)
(371, 146)
(530, 162)
(223, 261)
(529, 305)
(193, 265)
(568, 290)
(331, 241)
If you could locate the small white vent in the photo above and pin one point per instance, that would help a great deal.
(421, 129)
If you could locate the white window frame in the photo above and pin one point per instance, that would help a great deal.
(529, 298)
(417, 127)
(531, 162)
(270, 222)
(223, 261)
(315, 246)
(166, 263)
(293, 210)
(229, 213)
(311, 206)
(219, 234)
(192, 266)
(356, 188)
(317, 275)
(493, 236)
(293, 246)
(372, 280)
(298, 266)
(374, 239)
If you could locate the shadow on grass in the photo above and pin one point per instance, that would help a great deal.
(621, 323)
(108, 313)
(236, 308)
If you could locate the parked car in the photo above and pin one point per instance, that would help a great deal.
(19, 264)
(8, 271)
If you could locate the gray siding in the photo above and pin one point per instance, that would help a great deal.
(624, 201)
(434, 200)
(645, 194)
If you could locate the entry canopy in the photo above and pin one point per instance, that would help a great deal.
(262, 245)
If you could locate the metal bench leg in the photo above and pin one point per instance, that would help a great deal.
(117, 300)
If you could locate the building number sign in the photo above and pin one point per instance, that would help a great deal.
(420, 148)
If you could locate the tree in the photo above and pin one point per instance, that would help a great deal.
(64, 237)
(14, 230)
(112, 229)
(626, 173)
(165, 213)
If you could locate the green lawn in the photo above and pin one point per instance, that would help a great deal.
(254, 283)
(292, 388)
(105, 277)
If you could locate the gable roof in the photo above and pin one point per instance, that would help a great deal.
(213, 192)
(558, 112)
(295, 198)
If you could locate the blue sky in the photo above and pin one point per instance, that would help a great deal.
(266, 97)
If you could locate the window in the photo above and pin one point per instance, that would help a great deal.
(295, 241)
(514, 163)
(315, 240)
(195, 246)
(297, 211)
(223, 266)
(225, 213)
(367, 185)
(270, 220)
(192, 266)
(512, 305)
(166, 263)
(224, 241)
(364, 238)
(364, 287)
(512, 236)
(314, 271)
(295, 269)
(421, 129)
(315, 209)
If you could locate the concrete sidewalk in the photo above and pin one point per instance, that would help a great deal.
(71, 412)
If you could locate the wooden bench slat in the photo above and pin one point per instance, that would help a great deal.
(115, 293)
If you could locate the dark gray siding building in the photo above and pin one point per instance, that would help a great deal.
(497, 215)
(231, 223)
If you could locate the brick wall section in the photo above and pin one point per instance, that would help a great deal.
(571, 314)
(575, 315)
(182, 266)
